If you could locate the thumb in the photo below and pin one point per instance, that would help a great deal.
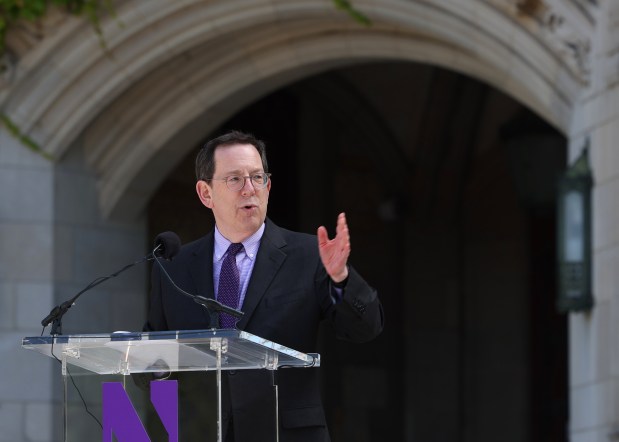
(322, 235)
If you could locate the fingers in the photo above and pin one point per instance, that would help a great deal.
(341, 222)
(342, 234)
(342, 230)
(334, 252)
(323, 238)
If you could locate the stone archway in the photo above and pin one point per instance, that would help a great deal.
(442, 234)
(175, 71)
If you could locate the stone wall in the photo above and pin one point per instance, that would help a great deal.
(594, 346)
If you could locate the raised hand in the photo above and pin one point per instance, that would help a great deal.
(334, 252)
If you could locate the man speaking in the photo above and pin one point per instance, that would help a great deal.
(285, 282)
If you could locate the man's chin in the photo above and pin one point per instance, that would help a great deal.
(252, 221)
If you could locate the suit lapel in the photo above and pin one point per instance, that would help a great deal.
(201, 269)
(268, 262)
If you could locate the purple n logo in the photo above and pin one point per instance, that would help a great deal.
(121, 420)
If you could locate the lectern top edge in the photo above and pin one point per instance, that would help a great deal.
(179, 350)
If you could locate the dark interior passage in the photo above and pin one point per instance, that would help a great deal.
(449, 189)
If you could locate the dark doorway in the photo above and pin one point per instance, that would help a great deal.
(448, 186)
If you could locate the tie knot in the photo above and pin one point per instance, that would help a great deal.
(235, 248)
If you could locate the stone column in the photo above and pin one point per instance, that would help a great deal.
(53, 243)
(594, 336)
(26, 291)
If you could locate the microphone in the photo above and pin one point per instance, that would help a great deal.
(167, 245)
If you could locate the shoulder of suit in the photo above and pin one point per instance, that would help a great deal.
(196, 246)
(286, 233)
(281, 237)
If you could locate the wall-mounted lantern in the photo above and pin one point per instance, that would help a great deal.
(574, 236)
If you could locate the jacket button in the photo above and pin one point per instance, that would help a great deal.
(231, 372)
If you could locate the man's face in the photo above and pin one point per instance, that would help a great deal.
(240, 213)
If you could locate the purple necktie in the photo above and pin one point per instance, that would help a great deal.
(229, 293)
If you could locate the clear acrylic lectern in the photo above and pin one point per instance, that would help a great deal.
(126, 353)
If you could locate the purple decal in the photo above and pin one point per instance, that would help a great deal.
(164, 396)
(121, 420)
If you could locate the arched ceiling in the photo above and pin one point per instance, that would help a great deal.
(174, 71)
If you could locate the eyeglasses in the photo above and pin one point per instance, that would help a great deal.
(237, 182)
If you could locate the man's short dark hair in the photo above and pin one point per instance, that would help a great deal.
(205, 160)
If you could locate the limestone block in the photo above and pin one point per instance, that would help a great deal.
(40, 420)
(605, 275)
(27, 194)
(63, 256)
(581, 353)
(591, 406)
(11, 418)
(592, 435)
(604, 155)
(602, 342)
(606, 214)
(614, 331)
(612, 70)
(33, 302)
(7, 306)
(90, 313)
(129, 309)
(596, 111)
(26, 251)
(102, 252)
(14, 153)
(31, 373)
(76, 198)
(612, 41)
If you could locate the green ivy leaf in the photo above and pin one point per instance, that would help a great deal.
(346, 6)
(23, 139)
(33, 10)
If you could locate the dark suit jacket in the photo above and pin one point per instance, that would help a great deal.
(289, 293)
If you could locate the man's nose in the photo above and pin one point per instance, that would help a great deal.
(248, 188)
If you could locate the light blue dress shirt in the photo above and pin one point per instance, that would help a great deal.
(245, 260)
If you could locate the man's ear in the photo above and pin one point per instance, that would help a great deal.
(204, 193)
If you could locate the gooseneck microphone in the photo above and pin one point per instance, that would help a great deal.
(213, 306)
(167, 245)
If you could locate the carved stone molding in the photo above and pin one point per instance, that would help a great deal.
(571, 44)
(613, 27)
(555, 29)
(24, 35)
(612, 78)
(8, 63)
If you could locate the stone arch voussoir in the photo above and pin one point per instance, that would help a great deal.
(179, 69)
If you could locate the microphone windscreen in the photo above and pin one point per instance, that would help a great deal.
(167, 245)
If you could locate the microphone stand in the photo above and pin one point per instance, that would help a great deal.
(212, 306)
(55, 316)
